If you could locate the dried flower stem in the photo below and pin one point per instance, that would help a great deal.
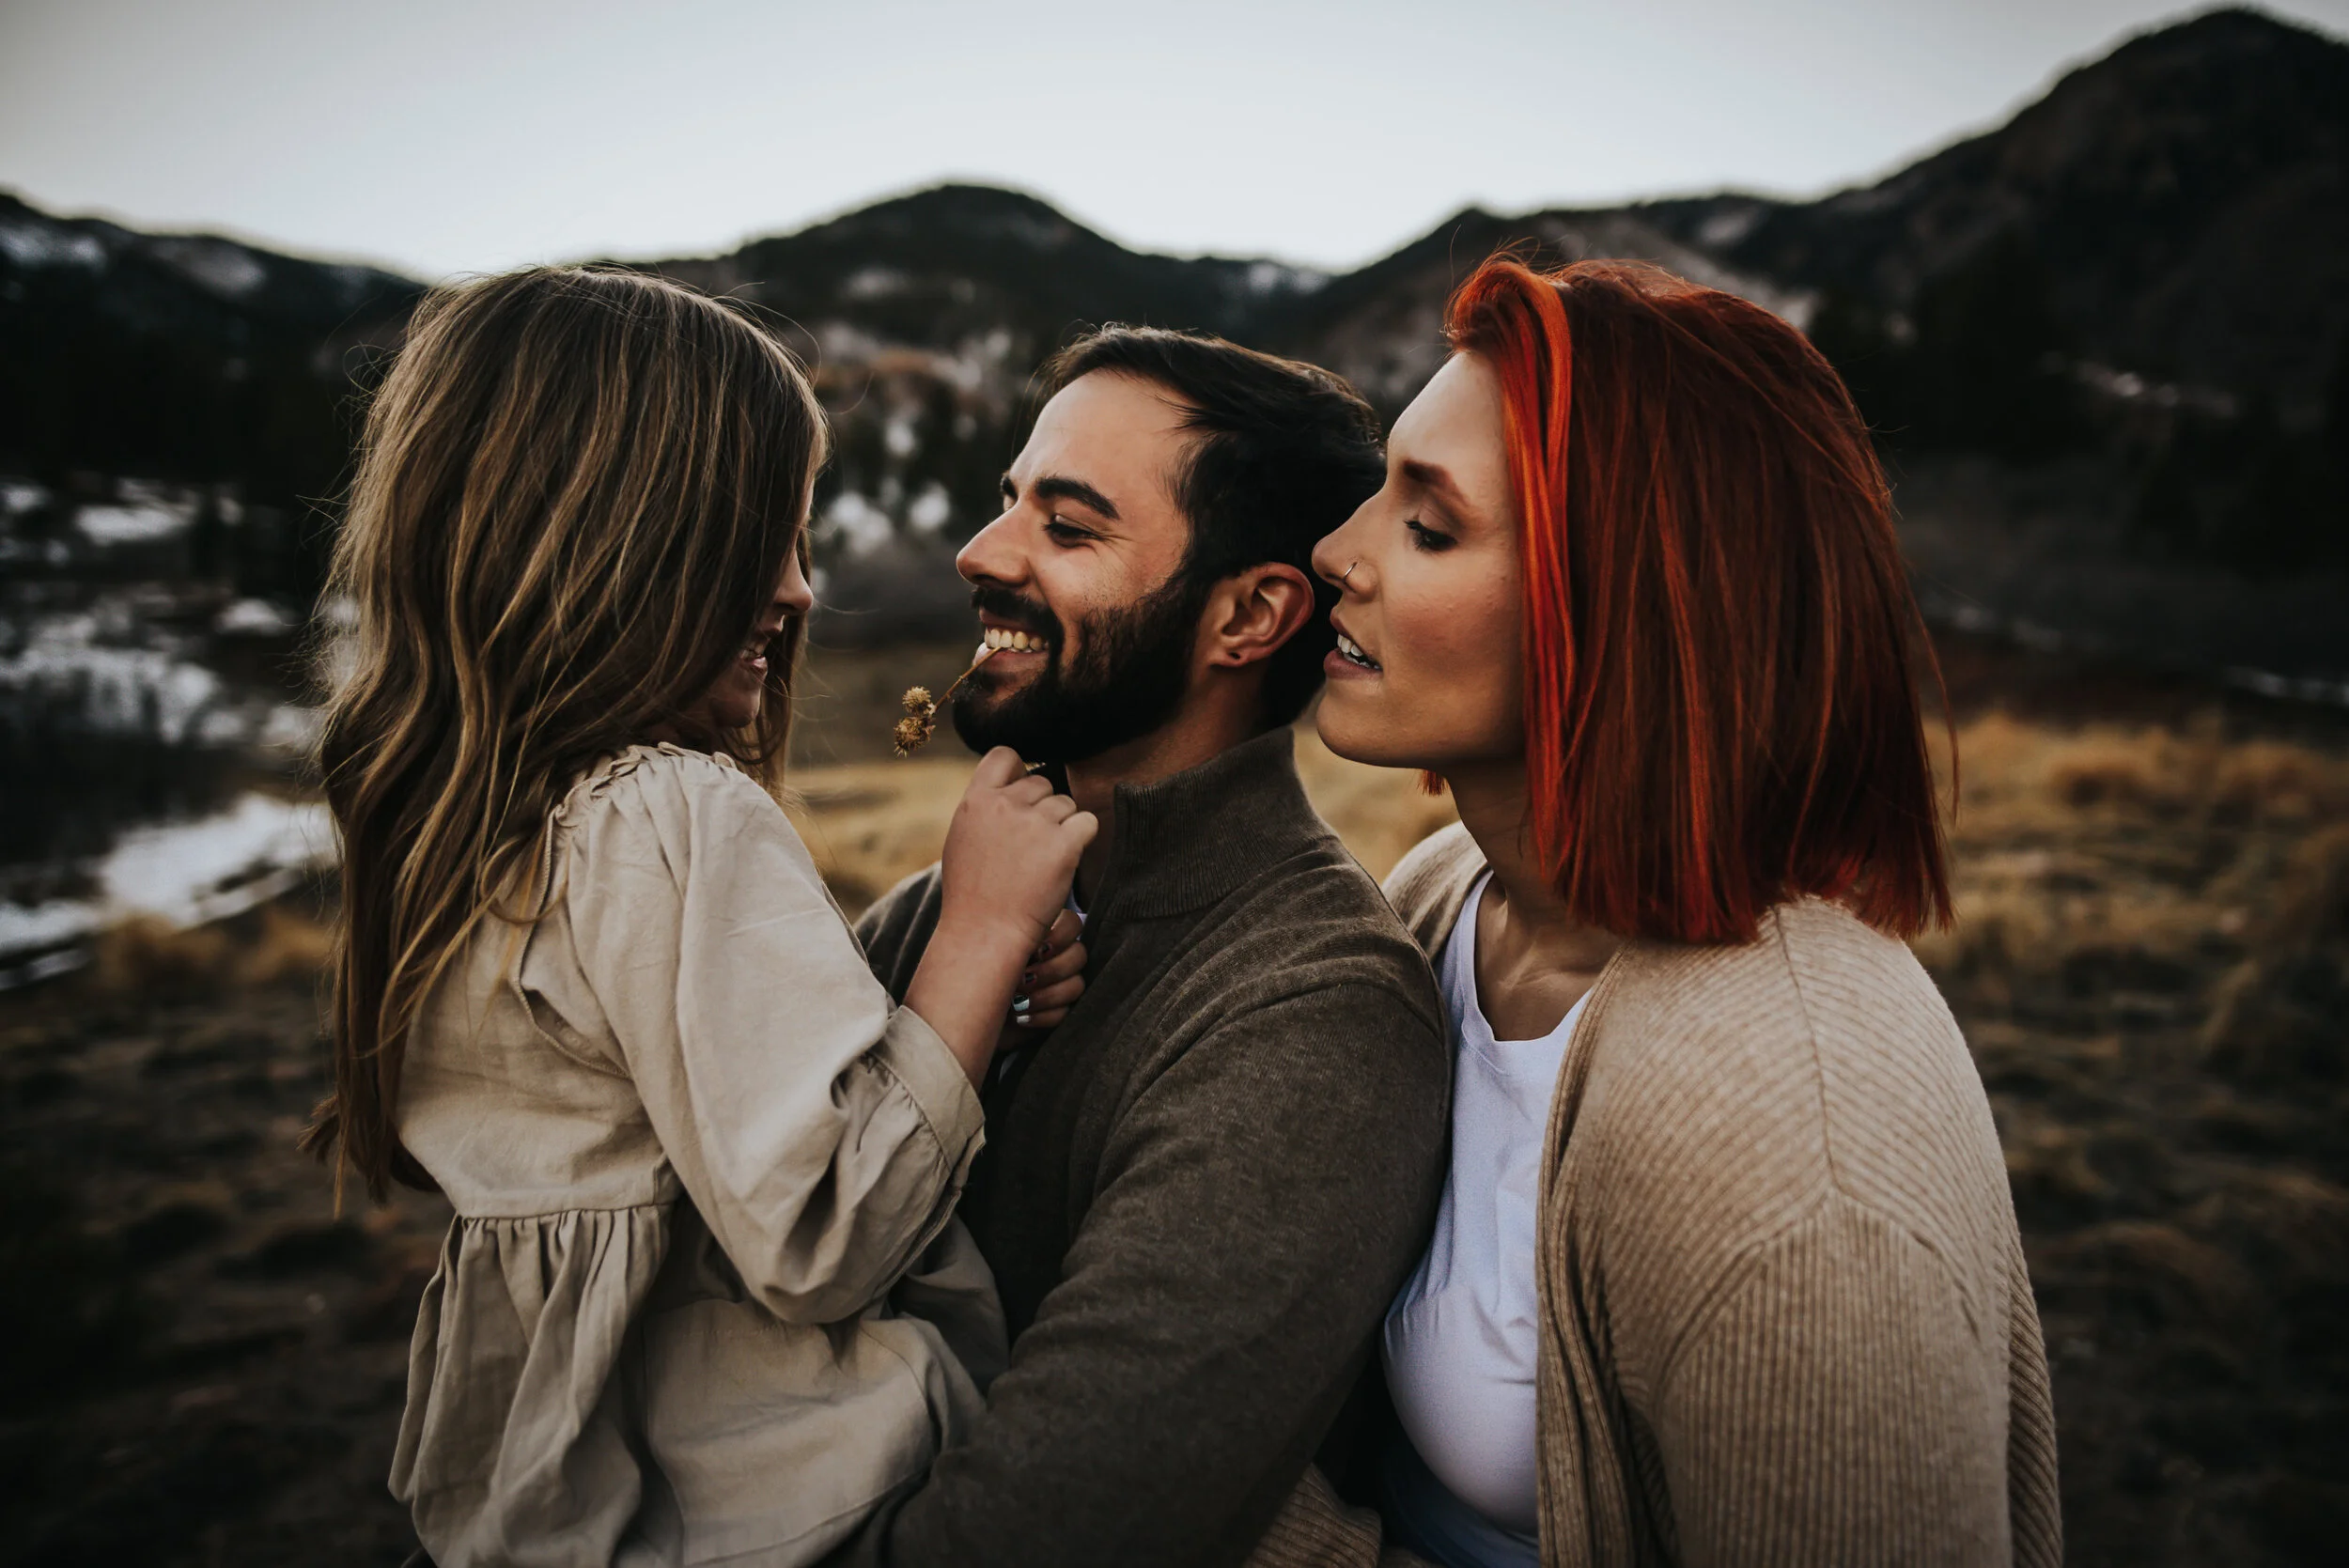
(913, 731)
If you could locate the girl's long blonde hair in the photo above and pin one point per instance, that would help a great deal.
(575, 494)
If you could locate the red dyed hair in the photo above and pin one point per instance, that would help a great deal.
(1721, 710)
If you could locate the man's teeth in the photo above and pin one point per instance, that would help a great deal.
(1001, 639)
(1353, 651)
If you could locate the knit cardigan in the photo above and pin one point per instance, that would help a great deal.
(1784, 1316)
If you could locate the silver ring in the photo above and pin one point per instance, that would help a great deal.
(1347, 573)
(1019, 1006)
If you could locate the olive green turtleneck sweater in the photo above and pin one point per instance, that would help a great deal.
(1199, 1193)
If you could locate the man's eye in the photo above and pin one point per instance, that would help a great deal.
(1426, 539)
(1067, 532)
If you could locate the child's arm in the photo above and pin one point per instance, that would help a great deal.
(1011, 853)
(822, 1135)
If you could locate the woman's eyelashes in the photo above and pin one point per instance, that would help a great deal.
(1426, 539)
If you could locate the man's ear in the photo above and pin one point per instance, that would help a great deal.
(1254, 612)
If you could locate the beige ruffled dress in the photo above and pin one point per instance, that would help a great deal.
(704, 1301)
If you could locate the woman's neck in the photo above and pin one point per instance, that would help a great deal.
(1534, 958)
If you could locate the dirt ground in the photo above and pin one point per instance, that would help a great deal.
(2152, 965)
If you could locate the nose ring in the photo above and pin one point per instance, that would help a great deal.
(1347, 573)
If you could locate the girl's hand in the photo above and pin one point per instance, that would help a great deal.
(1011, 853)
(1050, 985)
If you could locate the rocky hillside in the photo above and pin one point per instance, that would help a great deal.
(179, 357)
(2108, 335)
(2187, 198)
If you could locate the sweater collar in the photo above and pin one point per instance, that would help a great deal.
(1182, 841)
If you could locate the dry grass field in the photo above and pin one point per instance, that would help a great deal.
(2152, 965)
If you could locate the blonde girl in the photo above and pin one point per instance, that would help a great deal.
(589, 983)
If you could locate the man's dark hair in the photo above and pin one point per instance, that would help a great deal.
(1287, 452)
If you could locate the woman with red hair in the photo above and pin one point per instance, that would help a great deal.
(1726, 1269)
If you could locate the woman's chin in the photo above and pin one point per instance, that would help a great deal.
(1356, 742)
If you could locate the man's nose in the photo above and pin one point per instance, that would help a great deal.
(992, 556)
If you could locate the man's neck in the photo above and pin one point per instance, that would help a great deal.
(1199, 733)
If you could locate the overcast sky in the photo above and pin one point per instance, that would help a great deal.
(458, 135)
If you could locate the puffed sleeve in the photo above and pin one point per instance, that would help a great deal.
(823, 1133)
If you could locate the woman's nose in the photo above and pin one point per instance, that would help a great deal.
(1331, 561)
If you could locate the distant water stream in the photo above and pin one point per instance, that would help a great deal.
(150, 731)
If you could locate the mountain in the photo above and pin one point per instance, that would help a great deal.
(2108, 333)
(1381, 327)
(922, 319)
(2104, 345)
(179, 355)
(959, 264)
(2187, 197)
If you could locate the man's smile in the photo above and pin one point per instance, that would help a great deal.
(1011, 640)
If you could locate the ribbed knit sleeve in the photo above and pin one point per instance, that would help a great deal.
(1836, 1405)
(1785, 1311)
(1317, 1529)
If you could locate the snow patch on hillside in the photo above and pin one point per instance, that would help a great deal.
(184, 874)
(129, 525)
(222, 266)
(50, 245)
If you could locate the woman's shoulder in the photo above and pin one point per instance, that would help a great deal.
(1816, 975)
(1820, 1056)
(1429, 885)
(1816, 990)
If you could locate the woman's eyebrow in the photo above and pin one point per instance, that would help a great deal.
(1432, 477)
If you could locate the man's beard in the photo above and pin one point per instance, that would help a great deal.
(1129, 680)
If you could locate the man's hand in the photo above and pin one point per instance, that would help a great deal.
(1051, 983)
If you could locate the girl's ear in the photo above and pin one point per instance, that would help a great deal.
(1256, 611)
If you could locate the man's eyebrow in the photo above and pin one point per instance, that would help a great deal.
(1059, 486)
(1430, 476)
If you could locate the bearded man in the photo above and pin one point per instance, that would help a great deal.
(1202, 1189)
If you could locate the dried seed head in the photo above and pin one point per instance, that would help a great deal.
(913, 731)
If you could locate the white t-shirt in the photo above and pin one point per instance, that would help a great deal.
(1461, 1338)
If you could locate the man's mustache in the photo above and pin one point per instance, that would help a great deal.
(1020, 614)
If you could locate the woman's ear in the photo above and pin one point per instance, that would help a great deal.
(1256, 611)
